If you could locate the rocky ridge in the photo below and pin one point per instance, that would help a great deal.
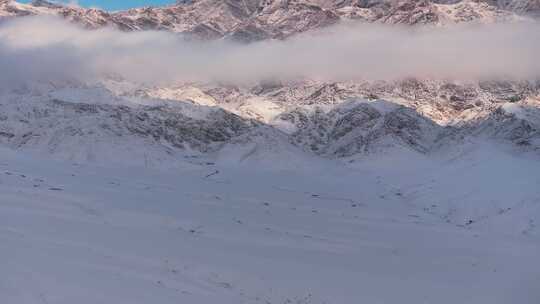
(254, 20)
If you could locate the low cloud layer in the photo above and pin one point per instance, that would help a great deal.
(37, 49)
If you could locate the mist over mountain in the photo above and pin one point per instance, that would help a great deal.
(452, 73)
(337, 53)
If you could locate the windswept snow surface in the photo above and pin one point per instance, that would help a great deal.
(397, 228)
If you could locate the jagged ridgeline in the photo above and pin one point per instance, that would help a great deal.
(252, 20)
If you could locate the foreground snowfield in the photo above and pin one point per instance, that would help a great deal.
(390, 229)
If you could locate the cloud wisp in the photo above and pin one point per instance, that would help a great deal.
(38, 48)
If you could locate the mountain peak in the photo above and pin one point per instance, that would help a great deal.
(44, 3)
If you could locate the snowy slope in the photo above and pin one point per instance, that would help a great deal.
(396, 229)
(91, 124)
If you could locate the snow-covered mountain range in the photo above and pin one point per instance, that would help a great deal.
(338, 120)
(251, 20)
(331, 120)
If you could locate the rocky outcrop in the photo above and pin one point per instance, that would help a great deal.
(360, 127)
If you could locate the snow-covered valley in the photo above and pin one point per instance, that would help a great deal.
(395, 229)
